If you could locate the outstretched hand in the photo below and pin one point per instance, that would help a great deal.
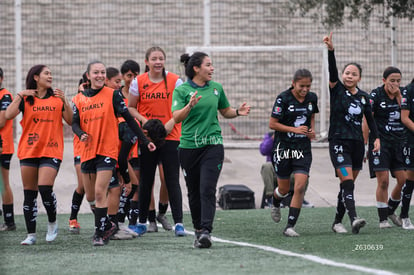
(328, 42)
(244, 109)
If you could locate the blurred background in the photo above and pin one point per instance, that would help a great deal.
(255, 46)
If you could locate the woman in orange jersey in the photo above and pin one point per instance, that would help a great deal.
(95, 123)
(6, 133)
(151, 98)
(41, 145)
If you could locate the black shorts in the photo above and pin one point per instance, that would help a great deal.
(135, 163)
(41, 162)
(286, 166)
(99, 163)
(5, 160)
(114, 182)
(76, 160)
(347, 153)
(389, 158)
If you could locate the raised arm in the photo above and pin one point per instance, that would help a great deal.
(333, 70)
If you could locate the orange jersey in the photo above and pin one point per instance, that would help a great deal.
(155, 101)
(98, 120)
(42, 128)
(6, 132)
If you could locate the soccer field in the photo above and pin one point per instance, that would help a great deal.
(245, 242)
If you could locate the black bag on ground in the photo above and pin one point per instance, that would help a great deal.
(236, 197)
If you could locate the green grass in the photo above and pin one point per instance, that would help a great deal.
(163, 253)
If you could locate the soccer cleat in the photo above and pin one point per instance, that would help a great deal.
(97, 240)
(108, 233)
(203, 241)
(30, 239)
(406, 224)
(384, 224)
(275, 214)
(307, 204)
(138, 228)
(395, 220)
(357, 224)
(339, 228)
(125, 228)
(74, 226)
(290, 232)
(52, 231)
(8, 227)
(162, 219)
(152, 227)
(179, 230)
(121, 235)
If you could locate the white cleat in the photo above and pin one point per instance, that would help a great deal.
(290, 232)
(339, 228)
(406, 224)
(30, 239)
(384, 224)
(52, 231)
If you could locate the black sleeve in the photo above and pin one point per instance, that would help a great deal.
(333, 70)
(76, 123)
(123, 160)
(134, 127)
(371, 123)
(121, 109)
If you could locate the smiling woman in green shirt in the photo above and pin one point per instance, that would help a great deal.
(201, 152)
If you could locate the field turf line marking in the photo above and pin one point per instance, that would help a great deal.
(308, 257)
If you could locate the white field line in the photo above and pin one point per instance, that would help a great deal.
(308, 257)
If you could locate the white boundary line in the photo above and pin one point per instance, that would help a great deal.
(308, 257)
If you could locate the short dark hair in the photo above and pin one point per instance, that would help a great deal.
(390, 70)
(130, 65)
(111, 72)
(156, 131)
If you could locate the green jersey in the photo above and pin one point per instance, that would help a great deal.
(201, 127)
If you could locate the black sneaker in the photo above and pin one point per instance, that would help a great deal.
(97, 240)
(109, 232)
(204, 241)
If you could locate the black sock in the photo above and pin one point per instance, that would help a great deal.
(8, 214)
(293, 216)
(151, 215)
(76, 203)
(49, 201)
(162, 208)
(30, 210)
(382, 213)
(348, 195)
(122, 208)
(392, 205)
(406, 198)
(340, 206)
(101, 219)
(133, 213)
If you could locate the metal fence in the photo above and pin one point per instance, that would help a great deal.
(67, 35)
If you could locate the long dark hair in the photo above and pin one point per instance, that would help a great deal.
(31, 82)
(196, 59)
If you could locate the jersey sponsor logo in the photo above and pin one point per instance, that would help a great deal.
(36, 120)
(52, 144)
(282, 153)
(87, 120)
(33, 137)
(156, 95)
(43, 108)
(107, 160)
(92, 107)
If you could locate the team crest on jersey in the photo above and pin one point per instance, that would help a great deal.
(215, 92)
(363, 100)
(403, 100)
(340, 158)
(278, 110)
(407, 161)
(376, 161)
(310, 107)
